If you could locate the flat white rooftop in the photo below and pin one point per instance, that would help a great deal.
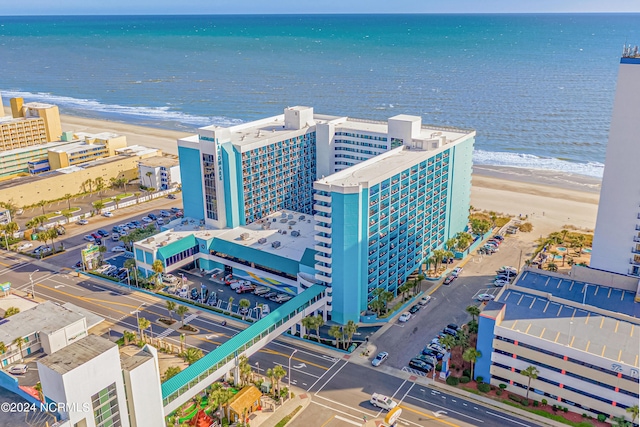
(101, 135)
(46, 317)
(136, 150)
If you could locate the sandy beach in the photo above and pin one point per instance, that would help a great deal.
(550, 199)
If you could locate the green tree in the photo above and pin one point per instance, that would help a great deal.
(471, 355)
(98, 206)
(462, 338)
(170, 372)
(480, 226)
(244, 304)
(319, 323)
(143, 324)
(531, 373)
(349, 330)
(633, 411)
(417, 283)
(3, 347)
(309, 323)
(181, 311)
(130, 264)
(42, 204)
(245, 369)
(377, 306)
(11, 311)
(158, 268)
(52, 234)
(552, 266)
(451, 243)
(67, 215)
(38, 388)
(171, 306)
(279, 373)
(474, 311)
(19, 341)
(68, 197)
(336, 332)
(403, 289)
(128, 337)
(100, 185)
(149, 178)
(192, 355)
(448, 341)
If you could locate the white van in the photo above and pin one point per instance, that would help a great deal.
(160, 221)
(184, 292)
(382, 401)
(115, 237)
(265, 311)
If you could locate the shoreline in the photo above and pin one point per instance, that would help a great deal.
(551, 199)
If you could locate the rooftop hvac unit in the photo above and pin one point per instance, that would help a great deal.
(290, 216)
(301, 218)
(295, 233)
(284, 215)
(244, 236)
(283, 220)
(274, 220)
(292, 223)
(262, 240)
(275, 245)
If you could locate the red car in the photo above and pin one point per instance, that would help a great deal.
(449, 279)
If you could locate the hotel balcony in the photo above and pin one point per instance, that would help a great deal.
(321, 198)
(636, 239)
(321, 258)
(635, 260)
(322, 249)
(323, 278)
(322, 239)
(321, 218)
(321, 229)
(321, 208)
(323, 268)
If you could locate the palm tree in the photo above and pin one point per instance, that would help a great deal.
(532, 373)
(9, 229)
(269, 374)
(448, 341)
(143, 324)
(98, 206)
(38, 388)
(349, 330)
(67, 215)
(471, 355)
(99, 182)
(11, 311)
(158, 268)
(171, 306)
(130, 264)
(230, 304)
(245, 369)
(462, 338)
(88, 182)
(182, 339)
(171, 371)
(244, 304)
(404, 289)
(450, 243)
(128, 337)
(336, 332)
(19, 341)
(42, 204)
(3, 347)
(474, 311)
(417, 283)
(181, 311)
(377, 306)
(309, 322)
(633, 410)
(192, 355)
(552, 266)
(279, 373)
(68, 197)
(52, 234)
(319, 322)
(137, 194)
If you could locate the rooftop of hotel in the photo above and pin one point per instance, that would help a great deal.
(136, 150)
(131, 361)
(76, 147)
(46, 317)
(568, 325)
(101, 135)
(159, 161)
(273, 228)
(74, 355)
(37, 147)
(604, 297)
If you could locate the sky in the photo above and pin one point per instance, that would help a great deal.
(172, 7)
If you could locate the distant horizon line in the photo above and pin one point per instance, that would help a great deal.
(326, 14)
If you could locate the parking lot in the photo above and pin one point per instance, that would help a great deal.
(403, 341)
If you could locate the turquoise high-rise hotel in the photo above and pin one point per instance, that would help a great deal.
(304, 198)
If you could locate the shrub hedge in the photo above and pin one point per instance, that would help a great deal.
(464, 379)
(451, 380)
(485, 388)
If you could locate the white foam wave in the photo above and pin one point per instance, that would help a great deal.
(529, 161)
(162, 114)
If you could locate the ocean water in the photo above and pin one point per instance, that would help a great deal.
(537, 88)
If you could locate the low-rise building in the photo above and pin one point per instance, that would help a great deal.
(160, 172)
(90, 147)
(579, 336)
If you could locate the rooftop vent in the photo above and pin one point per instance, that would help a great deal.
(284, 215)
(290, 216)
(283, 220)
(292, 223)
(274, 220)
(295, 233)
(244, 236)
(262, 240)
(275, 245)
(301, 218)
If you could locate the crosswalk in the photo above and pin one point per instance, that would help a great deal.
(190, 317)
(164, 333)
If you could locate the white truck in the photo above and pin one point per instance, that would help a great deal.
(382, 401)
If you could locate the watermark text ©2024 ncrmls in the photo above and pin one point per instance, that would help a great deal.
(57, 407)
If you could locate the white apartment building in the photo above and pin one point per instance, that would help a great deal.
(616, 243)
(159, 172)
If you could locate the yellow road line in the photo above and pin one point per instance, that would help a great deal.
(268, 351)
(572, 339)
(328, 421)
(429, 416)
(602, 322)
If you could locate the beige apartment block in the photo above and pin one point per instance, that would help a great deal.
(31, 124)
(91, 147)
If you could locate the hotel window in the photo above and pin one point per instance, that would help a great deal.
(209, 172)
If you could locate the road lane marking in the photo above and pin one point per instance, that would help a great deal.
(330, 378)
(508, 419)
(328, 421)
(445, 408)
(298, 359)
(342, 412)
(338, 417)
(296, 370)
(428, 416)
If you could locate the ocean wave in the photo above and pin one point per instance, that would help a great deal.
(530, 161)
(161, 114)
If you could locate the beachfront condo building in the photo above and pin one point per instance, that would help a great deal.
(159, 172)
(302, 198)
(616, 243)
(32, 123)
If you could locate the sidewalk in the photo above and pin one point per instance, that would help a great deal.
(268, 418)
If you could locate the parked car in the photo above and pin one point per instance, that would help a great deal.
(500, 283)
(147, 220)
(381, 357)
(103, 268)
(498, 237)
(107, 214)
(165, 214)
(456, 271)
(169, 278)
(245, 288)
(160, 221)
(82, 222)
(42, 250)
(448, 280)
(89, 238)
(269, 294)
(213, 299)
(382, 401)
(195, 294)
(431, 360)
(424, 300)
(450, 331)
(261, 290)
(152, 216)
(19, 369)
(61, 230)
(485, 297)
(430, 352)
(420, 365)
(171, 196)
(414, 309)
(506, 268)
(174, 209)
(25, 246)
(179, 214)
(282, 298)
(118, 249)
(453, 326)
(404, 317)
(437, 347)
(115, 237)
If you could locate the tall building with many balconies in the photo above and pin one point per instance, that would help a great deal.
(31, 124)
(616, 242)
(365, 202)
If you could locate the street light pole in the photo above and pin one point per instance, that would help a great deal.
(137, 311)
(33, 290)
(289, 373)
